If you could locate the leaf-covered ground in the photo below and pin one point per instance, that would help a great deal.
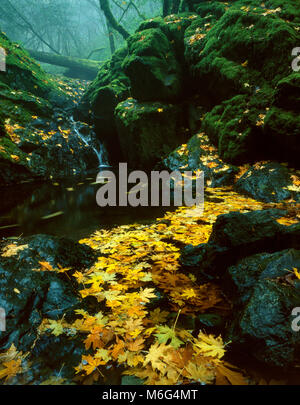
(145, 303)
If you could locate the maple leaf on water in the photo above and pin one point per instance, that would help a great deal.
(147, 294)
(165, 334)
(90, 363)
(56, 327)
(209, 346)
(11, 369)
(155, 355)
(296, 272)
(45, 266)
(79, 277)
(227, 373)
(103, 354)
(11, 363)
(12, 250)
(94, 338)
(136, 345)
(157, 316)
(200, 372)
(118, 349)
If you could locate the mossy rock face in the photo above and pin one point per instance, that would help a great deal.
(173, 26)
(98, 104)
(110, 71)
(236, 127)
(148, 131)
(211, 9)
(234, 57)
(24, 74)
(37, 139)
(152, 67)
(241, 51)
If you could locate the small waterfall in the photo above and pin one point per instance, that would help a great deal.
(100, 152)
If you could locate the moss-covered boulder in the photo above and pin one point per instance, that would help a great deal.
(36, 137)
(23, 74)
(287, 92)
(110, 79)
(154, 72)
(173, 26)
(231, 60)
(148, 131)
(236, 128)
(238, 53)
(98, 104)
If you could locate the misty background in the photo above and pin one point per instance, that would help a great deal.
(75, 28)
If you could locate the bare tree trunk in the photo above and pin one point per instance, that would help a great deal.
(111, 39)
(104, 5)
(166, 5)
(175, 6)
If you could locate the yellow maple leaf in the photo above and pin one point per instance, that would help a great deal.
(11, 369)
(200, 372)
(209, 345)
(296, 272)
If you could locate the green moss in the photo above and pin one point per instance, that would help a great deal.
(112, 85)
(23, 73)
(211, 10)
(236, 127)
(234, 58)
(242, 48)
(174, 27)
(151, 66)
(148, 131)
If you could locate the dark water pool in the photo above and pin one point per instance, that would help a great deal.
(63, 209)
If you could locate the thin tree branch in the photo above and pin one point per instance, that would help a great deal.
(31, 27)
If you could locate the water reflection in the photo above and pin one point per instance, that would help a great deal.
(64, 209)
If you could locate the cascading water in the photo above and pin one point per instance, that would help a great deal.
(100, 151)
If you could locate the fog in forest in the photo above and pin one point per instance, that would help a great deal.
(74, 28)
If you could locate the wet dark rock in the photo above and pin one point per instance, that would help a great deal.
(246, 253)
(237, 235)
(237, 230)
(268, 182)
(28, 296)
(200, 154)
(287, 94)
(253, 269)
(206, 260)
(148, 131)
(263, 307)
